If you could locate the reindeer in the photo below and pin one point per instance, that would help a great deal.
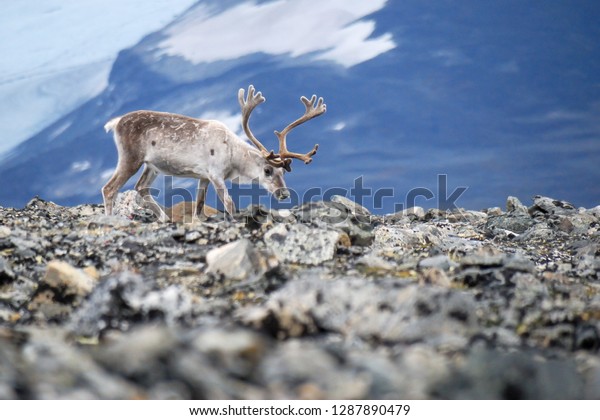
(204, 149)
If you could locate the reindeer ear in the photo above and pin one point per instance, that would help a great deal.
(252, 153)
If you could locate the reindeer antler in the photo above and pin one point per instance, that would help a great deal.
(248, 104)
(283, 159)
(311, 112)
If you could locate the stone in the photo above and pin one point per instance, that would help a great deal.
(468, 216)
(70, 281)
(58, 370)
(302, 245)
(352, 206)
(543, 206)
(307, 370)
(515, 222)
(238, 351)
(494, 211)
(137, 353)
(372, 261)
(414, 213)
(594, 211)
(439, 261)
(402, 239)
(322, 213)
(126, 204)
(101, 220)
(124, 297)
(62, 288)
(489, 374)
(435, 276)
(514, 205)
(192, 236)
(6, 272)
(454, 304)
(4, 232)
(353, 306)
(239, 260)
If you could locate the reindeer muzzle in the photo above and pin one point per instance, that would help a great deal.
(282, 194)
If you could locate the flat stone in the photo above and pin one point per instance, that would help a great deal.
(301, 244)
(239, 260)
(410, 213)
(515, 222)
(546, 205)
(354, 207)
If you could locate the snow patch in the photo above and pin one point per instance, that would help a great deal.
(60, 53)
(331, 29)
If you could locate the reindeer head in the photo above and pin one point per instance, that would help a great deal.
(269, 166)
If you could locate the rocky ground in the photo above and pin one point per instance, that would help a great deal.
(321, 301)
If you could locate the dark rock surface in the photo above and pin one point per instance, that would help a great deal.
(320, 301)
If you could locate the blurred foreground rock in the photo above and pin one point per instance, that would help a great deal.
(324, 300)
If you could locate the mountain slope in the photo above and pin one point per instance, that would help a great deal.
(472, 91)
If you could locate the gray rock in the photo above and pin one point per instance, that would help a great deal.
(302, 245)
(379, 312)
(359, 307)
(10, 377)
(4, 232)
(469, 216)
(305, 370)
(352, 206)
(70, 281)
(412, 213)
(239, 260)
(543, 206)
(514, 205)
(322, 212)
(57, 370)
(124, 297)
(515, 222)
(495, 375)
(102, 220)
(494, 211)
(372, 261)
(237, 351)
(439, 261)
(127, 204)
(595, 212)
(138, 353)
(403, 238)
(6, 272)
(337, 216)
(577, 224)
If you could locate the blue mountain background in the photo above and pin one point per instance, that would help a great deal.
(501, 97)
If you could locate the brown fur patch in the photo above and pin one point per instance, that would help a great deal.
(183, 212)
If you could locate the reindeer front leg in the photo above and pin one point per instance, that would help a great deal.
(143, 188)
(223, 194)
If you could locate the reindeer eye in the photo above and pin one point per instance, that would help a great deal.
(268, 170)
